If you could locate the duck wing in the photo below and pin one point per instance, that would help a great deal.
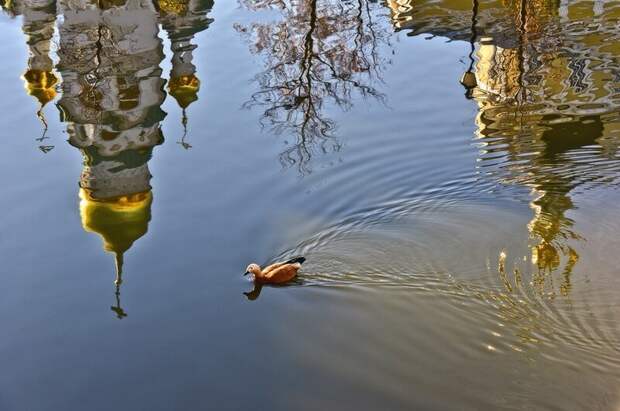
(282, 274)
(295, 260)
(299, 259)
(272, 267)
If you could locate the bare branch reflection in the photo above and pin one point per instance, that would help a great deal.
(321, 53)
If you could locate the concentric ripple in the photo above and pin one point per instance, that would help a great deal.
(482, 273)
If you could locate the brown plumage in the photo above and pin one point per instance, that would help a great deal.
(277, 273)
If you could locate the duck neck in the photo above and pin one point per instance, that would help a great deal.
(259, 275)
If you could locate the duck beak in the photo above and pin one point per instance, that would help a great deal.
(246, 273)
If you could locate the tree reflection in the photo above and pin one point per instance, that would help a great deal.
(321, 53)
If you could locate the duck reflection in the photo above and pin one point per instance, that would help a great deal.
(255, 293)
(546, 90)
(320, 53)
(109, 56)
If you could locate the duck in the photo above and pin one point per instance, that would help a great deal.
(277, 273)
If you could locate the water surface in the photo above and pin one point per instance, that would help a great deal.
(449, 170)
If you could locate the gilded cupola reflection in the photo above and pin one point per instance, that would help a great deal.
(182, 20)
(111, 94)
(40, 82)
(119, 221)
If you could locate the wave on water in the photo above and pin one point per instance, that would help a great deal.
(473, 256)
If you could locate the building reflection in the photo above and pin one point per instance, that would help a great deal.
(112, 93)
(318, 53)
(38, 25)
(109, 55)
(548, 113)
(551, 115)
(182, 20)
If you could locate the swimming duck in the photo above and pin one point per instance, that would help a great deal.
(277, 273)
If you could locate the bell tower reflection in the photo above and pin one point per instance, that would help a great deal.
(112, 94)
(109, 55)
(39, 20)
(182, 20)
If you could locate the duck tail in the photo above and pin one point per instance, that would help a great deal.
(295, 260)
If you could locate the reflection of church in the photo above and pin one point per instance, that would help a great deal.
(546, 89)
(112, 90)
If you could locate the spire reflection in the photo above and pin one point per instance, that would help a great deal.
(38, 23)
(182, 20)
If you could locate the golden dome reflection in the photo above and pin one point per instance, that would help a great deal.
(38, 25)
(119, 221)
(175, 7)
(182, 20)
(184, 89)
(41, 85)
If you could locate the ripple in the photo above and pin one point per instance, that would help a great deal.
(426, 251)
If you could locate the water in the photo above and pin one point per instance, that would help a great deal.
(449, 169)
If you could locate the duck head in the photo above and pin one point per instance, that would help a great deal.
(253, 269)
